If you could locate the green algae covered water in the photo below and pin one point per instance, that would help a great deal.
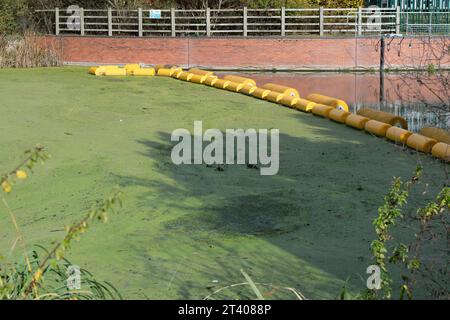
(187, 231)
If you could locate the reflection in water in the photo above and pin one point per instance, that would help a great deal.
(422, 99)
(417, 115)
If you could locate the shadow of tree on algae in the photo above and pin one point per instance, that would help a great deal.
(308, 227)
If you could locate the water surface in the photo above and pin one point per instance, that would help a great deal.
(422, 99)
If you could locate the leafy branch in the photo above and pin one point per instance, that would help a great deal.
(33, 157)
(23, 281)
(410, 256)
(98, 212)
(388, 213)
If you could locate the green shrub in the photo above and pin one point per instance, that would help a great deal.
(13, 16)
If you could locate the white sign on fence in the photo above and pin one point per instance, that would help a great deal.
(155, 14)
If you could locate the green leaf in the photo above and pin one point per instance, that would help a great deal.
(258, 294)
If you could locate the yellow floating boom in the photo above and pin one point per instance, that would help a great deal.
(438, 134)
(304, 105)
(289, 101)
(356, 121)
(246, 81)
(322, 110)
(420, 143)
(235, 86)
(441, 150)
(398, 135)
(288, 91)
(338, 115)
(377, 128)
(201, 72)
(274, 96)
(167, 72)
(221, 83)
(143, 72)
(210, 81)
(260, 93)
(248, 89)
(382, 116)
(328, 101)
(131, 67)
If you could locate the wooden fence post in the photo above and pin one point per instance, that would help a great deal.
(140, 27)
(321, 21)
(172, 21)
(110, 25)
(208, 22)
(82, 21)
(244, 27)
(57, 21)
(359, 21)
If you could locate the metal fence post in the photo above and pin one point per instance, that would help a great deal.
(57, 21)
(359, 21)
(140, 22)
(208, 22)
(321, 21)
(110, 26)
(431, 24)
(407, 22)
(244, 26)
(82, 21)
(397, 20)
(283, 21)
(172, 21)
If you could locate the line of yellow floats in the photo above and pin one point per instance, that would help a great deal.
(382, 124)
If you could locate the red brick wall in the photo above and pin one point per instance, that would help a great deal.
(254, 53)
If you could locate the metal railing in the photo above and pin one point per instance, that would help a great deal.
(426, 22)
(243, 22)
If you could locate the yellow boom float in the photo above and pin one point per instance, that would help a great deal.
(210, 81)
(274, 96)
(304, 105)
(398, 135)
(167, 72)
(260, 93)
(322, 110)
(441, 150)
(245, 81)
(234, 86)
(221, 84)
(438, 134)
(108, 71)
(185, 76)
(328, 101)
(338, 115)
(288, 91)
(201, 72)
(382, 116)
(248, 89)
(420, 143)
(356, 121)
